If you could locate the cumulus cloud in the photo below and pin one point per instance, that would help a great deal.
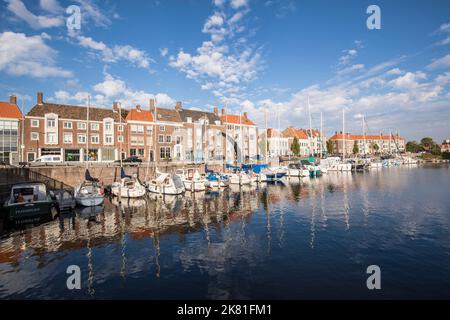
(440, 63)
(21, 55)
(137, 57)
(19, 9)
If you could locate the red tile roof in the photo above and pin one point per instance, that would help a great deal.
(348, 136)
(292, 133)
(140, 115)
(8, 110)
(236, 119)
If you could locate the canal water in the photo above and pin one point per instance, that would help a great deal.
(306, 238)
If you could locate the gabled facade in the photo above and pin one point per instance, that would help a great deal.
(241, 142)
(57, 129)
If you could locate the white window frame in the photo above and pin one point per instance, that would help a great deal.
(81, 126)
(67, 134)
(37, 136)
(35, 121)
(95, 127)
(69, 123)
(79, 136)
(95, 136)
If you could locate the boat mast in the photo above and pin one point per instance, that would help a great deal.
(266, 135)
(120, 126)
(364, 133)
(87, 132)
(343, 133)
(321, 136)
(310, 128)
(242, 136)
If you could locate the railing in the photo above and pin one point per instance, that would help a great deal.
(11, 176)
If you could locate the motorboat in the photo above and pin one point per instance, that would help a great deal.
(128, 187)
(215, 180)
(166, 183)
(89, 193)
(297, 170)
(29, 203)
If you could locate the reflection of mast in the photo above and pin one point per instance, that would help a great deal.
(91, 290)
(313, 216)
(346, 206)
(322, 204)
(156, 246)
(124, 259)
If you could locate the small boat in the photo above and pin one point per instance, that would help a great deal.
(193, 181)
(166, 183)
(90, 192)
(128, 187)
(297, 170)
(216, 181)
(29, 202)
(239, 178)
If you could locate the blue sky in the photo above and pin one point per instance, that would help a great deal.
(247, 55)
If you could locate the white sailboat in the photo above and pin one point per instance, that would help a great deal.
(89, 193)
(192, 179)
(128, 187)
(166, 183)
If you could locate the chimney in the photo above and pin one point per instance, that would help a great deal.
(178, 106)
(216, 111)
(13, 99)
(152, 104)
(223, 111)
(138, 107)
(40, 98)
(245, 115)
(115, 106)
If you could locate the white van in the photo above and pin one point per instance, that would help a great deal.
(48, 158)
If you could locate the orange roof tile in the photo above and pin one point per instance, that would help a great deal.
(299, 133)
(8, 110)
(236, 119)
(348, 136)
(140, 115)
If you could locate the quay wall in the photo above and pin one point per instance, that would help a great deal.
(74, 175)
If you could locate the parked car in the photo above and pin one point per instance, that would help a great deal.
(132, 159)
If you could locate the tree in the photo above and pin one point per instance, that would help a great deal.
(355, 148)
(330, 147)
(295, 147)
(427, 143)
(436, 150)
(375, 147)
(413, 147)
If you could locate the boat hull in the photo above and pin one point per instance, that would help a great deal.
(35, 212)
(89, 201)
(124, 192)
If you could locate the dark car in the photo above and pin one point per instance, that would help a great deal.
(132, 159)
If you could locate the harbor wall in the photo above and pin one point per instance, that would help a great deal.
(74, 175)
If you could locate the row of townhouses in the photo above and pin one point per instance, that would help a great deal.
(367, 144)
(159, 134)
(151, 133)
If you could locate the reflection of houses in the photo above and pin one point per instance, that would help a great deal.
(56, 129)
(10, 119)
(367, 144)
(241, 137)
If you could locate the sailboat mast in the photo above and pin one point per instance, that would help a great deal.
(343, 133)
(310, 128)
(266, 141)
(120, 126)
(321, 135)
(87, 131)
(364, 133)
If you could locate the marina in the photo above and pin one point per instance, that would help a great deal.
(299, 238)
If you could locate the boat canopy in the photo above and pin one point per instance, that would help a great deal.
(88, 177)
(256, 168)
(28, 192)
(123, 175)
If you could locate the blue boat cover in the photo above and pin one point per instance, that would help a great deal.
(123, 175)
(88, 177)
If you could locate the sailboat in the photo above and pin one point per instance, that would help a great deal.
(128, 186)
(215, 180)
(89, 193)
(193, 181)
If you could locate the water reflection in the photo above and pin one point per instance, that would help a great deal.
(228, 244)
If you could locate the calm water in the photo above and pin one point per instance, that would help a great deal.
(304, 239)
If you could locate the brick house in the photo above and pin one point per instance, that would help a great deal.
(10, 131)
(140, 140)
(58, 129)
(241, 143)
(368, 144)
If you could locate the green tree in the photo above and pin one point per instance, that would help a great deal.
(295, 147)
(330, 147)
(436, 150)
(355, 148)
(427, 143)
(413, 146)
(375, 147)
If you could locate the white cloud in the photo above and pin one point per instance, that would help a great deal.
(408, 81)
(115, 89)
(445, 27)
(21, 55)
(92, 12)
(441, 63)
(128, 53)
(51, 6)
(223, 64)
(236, 4)
(36, 22)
